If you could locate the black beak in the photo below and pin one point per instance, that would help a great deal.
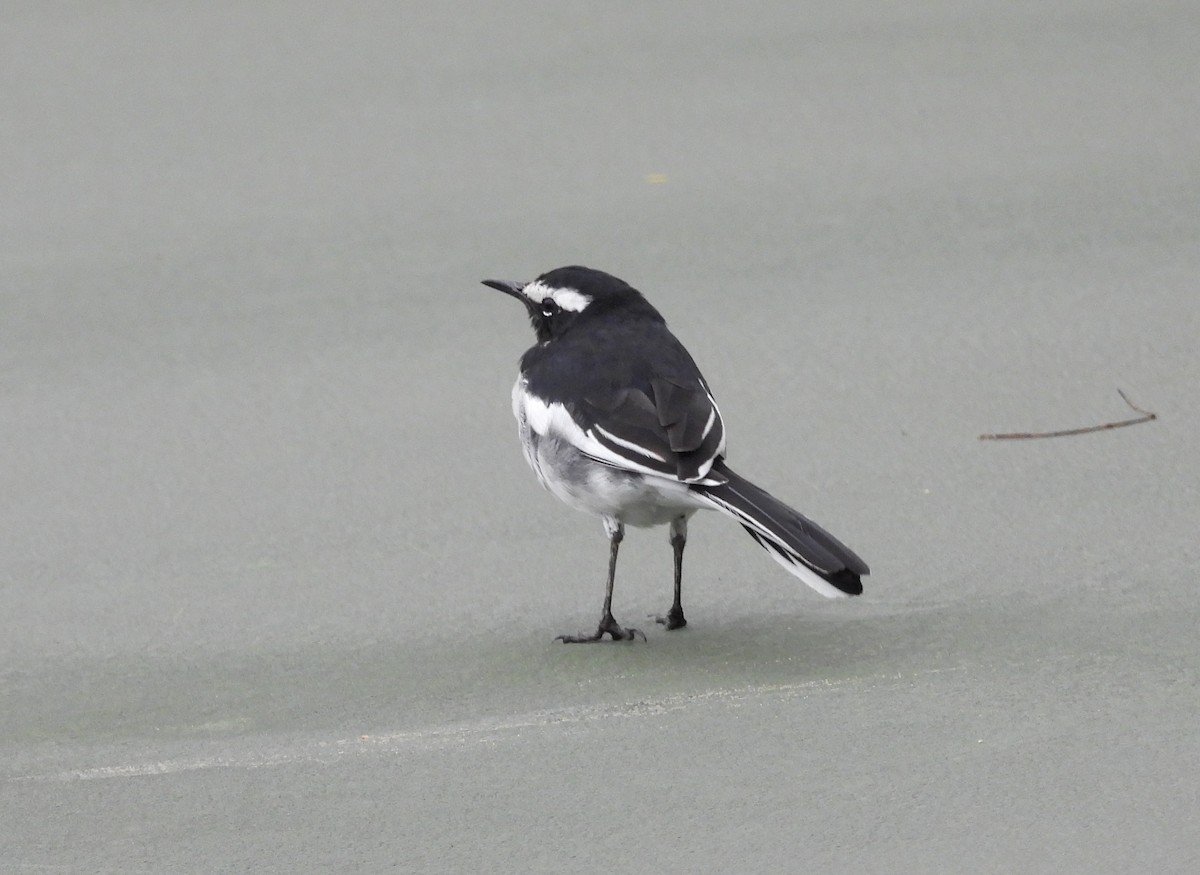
(509, 287)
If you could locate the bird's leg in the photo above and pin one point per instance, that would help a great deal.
(674, 618)
(608, 625)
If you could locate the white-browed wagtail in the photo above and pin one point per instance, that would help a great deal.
(616, 420)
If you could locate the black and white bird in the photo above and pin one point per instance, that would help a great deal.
(616, 420)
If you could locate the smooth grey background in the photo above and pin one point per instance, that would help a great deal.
(277, 592)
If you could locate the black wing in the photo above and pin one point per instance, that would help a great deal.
(637, 397)
(673, 429)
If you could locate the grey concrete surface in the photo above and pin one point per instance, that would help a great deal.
(277, 592)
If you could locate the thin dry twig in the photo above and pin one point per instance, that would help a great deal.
(1146, 416)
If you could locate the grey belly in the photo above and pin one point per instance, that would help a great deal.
(629, 497)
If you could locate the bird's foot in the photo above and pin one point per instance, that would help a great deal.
(608, 626)
(673, 620)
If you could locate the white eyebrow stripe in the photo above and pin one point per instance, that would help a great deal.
(566, 298)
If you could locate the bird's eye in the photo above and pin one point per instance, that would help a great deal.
(549, 307)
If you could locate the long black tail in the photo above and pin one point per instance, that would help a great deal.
(794, 541)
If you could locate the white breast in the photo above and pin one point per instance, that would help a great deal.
(527, 435)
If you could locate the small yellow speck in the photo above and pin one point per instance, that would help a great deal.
(656, 178)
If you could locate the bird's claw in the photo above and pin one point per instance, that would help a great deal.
(608, 626)
(674, 619)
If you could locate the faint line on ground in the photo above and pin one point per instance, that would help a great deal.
(484, 731)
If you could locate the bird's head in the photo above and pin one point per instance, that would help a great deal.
(560, 297)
